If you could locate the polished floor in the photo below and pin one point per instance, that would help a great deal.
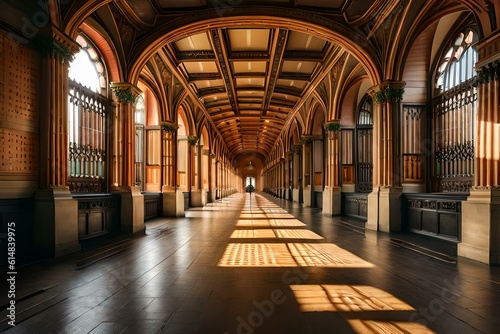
(254, 264)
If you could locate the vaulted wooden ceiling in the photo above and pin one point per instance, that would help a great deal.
(247, 73)
(249, 79)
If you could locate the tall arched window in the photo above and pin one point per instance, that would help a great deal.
(364, 139)
(454, 109)
(140, 122)
(87, 114)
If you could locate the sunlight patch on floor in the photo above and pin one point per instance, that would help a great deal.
(289, 255)
(388, 327)
(269, 223)
(346, 298)
(278, 233)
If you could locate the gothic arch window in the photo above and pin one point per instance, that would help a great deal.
(87, 69)
(364, 139)
(454, 110)
(140, 122)
(87, 114)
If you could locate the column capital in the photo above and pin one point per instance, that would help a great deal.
(387, 91)
(297, 149)
(306, 140)
(58, 45)
(125, 92)
(489, 72)
(332, 125)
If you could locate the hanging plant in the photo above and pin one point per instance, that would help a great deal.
(250, 188)
(389, 94)
(192, 140)
(169, 127)
(333, 126)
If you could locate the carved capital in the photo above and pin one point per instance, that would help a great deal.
(333, 125)
(125, 92)
(387, 92)
(489, 72)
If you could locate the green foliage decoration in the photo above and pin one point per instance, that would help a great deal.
(389, 94)
(125, 95)
(169, 127)
(192, 140)
(334, 126)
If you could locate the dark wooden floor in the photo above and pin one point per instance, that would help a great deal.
(193, 275)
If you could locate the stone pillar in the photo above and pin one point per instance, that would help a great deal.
(211, 178)
(297, 175)
(173, 197)
(288, 183)
(197, 199)
(384, 202)
(307, 175)
(122, 145)
(56, 212)
(217, 179)
(332, 192)
(480, 224)
(282, 178)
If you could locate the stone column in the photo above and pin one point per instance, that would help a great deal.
(384, 202)
(173, 198)
(197, 199)
(211, 178)
(217, 179)
(297, 177)
(122, 152)
(480, 224)
(332, 192)
(282, 178)
(307, 171)
(288, 176)
(56, 212)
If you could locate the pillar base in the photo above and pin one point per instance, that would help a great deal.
(307, 196)
(132, 209)
(198, 198)
(480, 231)
(56, 222)
(296, 194)
(173, 202)
(332, 202)
(384, 209)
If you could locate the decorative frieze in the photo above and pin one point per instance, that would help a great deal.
(456, 186)
(434, 205)
(84, 185)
